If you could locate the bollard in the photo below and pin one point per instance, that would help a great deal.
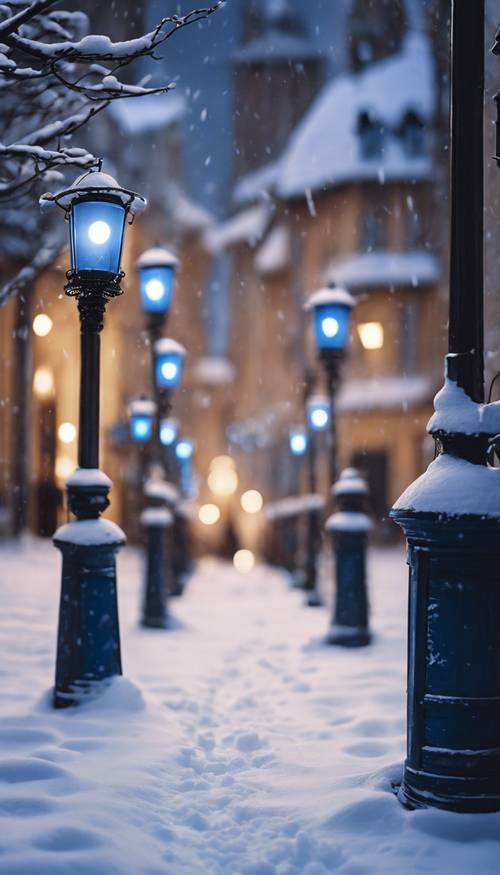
(157, 520)
(349, 526)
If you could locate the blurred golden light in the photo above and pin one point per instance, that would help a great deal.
(42, 325)
(66, 432)
(222, 462)
(209, 514)
(371, 335)
(243, 561)
(43, 382)
(252, 501)
(64, 467)
(223, 480)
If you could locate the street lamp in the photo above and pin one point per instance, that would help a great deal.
(319, 413)
(451, 514)
(156, 268)
(331, 313)
(142, 413)
(88, 646)
(318, 416)
(169, 428)
(169, 363)
(297, 441)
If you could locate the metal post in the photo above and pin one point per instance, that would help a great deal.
(331, 362)
(451, 514)
(313, 531)
(88, 644)
(349, 527)
(467, 239)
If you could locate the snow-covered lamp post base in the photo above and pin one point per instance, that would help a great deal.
(88, 641)
(451, 518)
(349, 526)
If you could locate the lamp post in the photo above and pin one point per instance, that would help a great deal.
(451, 514)
(298, 445)
(318, 413)
(88, 645)
(331, 312)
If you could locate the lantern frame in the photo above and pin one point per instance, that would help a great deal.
(161, 264)
(337, 304)
(168, 351)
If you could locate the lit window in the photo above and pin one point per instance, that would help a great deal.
(371, 335)
(43, 382)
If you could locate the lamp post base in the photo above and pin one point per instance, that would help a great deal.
(88, 642)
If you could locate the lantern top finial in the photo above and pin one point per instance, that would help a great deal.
(330, 296)
(157, 256)
(95, 182)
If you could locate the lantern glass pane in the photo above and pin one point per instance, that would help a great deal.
(168, 370)
(141, 427)
(298, 442)
(318, 415)
(156, 285)
(96, 230)
(168, 432)
(331, 326)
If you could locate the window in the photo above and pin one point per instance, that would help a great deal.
(412, 133)
(371, 136)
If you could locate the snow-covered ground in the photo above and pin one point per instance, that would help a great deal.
(236, 745)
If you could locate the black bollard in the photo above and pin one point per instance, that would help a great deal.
(157, 520)
(349, 526)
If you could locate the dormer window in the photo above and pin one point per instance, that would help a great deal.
(412, 133)
(371, 136)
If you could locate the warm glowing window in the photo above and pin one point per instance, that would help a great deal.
(371, 335)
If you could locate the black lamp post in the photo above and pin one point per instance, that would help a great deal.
(88, 646)
(331, 311)
(318, 415)
(451, 514)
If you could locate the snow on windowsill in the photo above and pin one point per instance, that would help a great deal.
(383, 393)
(384, 268)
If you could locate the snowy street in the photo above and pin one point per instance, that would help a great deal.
(236, 744)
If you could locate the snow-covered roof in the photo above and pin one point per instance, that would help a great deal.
(187, 213)
(383, 268)
(148, 113)
(247, 226)
(256, 185)
(383, 393)
(274, 253)
(275, 46)
(325, 148)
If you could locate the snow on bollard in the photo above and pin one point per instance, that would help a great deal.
(349, 526)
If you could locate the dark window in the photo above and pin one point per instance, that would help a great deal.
(412, 133)
(371, 136)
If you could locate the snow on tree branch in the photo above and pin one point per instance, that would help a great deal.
(55, 76)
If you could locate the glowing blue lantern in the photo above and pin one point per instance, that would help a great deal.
(168, 431)
(156, 268)
(141, 413)
(97, 208)
(184, 449)
(169, 363)
(297, 440)
(331, 309)
(319, 411)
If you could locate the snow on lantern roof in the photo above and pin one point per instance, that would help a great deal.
(142, 407)
(274, 254)
(156, 257)
(325, 148)
(213, 370)
(330, 296)
(384, 268)
(94, 182)
(247, 226)
(167, 345)
(151, 113)
(383, 393)
(256, 185)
